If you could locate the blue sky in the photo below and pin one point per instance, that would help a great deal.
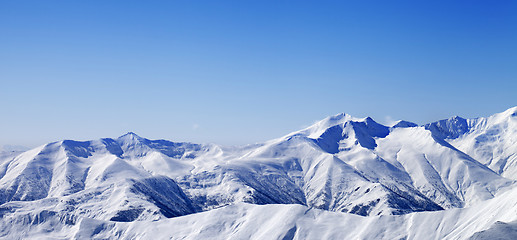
(238, 72)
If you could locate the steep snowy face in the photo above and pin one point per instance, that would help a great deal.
(491, 141)
(28, 176)
(442, 173)
(332, 183)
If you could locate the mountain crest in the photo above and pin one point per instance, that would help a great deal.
(130, 135)
(404, 124)
(130, 139)
(330, 132)
(448, 128)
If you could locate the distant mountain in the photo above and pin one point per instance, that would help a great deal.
(10, 151)
(340, 164)
(13, 148)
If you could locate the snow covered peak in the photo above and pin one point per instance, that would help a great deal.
(322, 126)
(330, 132)
(130, 140)
(448, 128)
(333, 120)
(130, 136)
(404, 124)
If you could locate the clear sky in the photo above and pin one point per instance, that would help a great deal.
(238, 72)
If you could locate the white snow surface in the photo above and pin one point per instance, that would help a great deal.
(342, 178)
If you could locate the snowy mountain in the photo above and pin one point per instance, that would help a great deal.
(492, 140)
(335, 176)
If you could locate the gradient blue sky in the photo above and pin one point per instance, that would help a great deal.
(237, 72)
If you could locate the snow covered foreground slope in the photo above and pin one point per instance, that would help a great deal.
(484, 220)
(340, 164)
(246, 221)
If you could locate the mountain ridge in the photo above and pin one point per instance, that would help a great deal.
(339, 164)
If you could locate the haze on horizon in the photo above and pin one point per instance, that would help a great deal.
(245, 72)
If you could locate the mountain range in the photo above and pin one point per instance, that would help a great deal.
(341, 178)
